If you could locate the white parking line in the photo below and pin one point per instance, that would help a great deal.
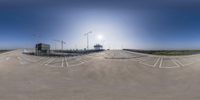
(189, 63)
(75, 64)
(156, 62)
(178, 62)
(146, 64)
(20, 60)
(142, 62)
(140, 59)
(27, 59)
(7, 58)
(177, 65)
(62, 65)
(45, 60)
(83, 61)
(66, 62)
(49, 61)
(161, 61)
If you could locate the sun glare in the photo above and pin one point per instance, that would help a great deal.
(100, 37)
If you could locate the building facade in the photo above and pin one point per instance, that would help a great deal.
(42, 49)
(98, 47)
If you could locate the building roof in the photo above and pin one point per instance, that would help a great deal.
(98, 45)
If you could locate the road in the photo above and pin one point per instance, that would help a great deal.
(108, 75)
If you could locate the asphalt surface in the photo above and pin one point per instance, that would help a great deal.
(108, 75)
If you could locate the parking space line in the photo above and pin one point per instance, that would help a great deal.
(66, 62)
(62, 64)
(156, 62)
(45, 60)
(7, 58)
(20, 60)
(41, 58)
(179, 62)
(140, 59)
(177, 65)
(189, 63)
(146, 64)
(27, 59)
(170, 67)
(49, 61)
(83, 61)
(161, 61)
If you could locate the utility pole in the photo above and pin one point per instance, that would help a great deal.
(62, 43)
(87, 34)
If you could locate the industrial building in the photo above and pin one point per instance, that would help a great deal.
(98, 47)
(42, 49)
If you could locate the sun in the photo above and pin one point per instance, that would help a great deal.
(99, 37)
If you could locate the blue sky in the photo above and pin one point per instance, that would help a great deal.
(136, 24)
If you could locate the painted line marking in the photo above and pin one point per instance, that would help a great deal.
(156, 62)
(189, 63)
(20, 60)
(46, 60)
(27, 59)
(154, 65)
(41, 58)
(177, 65)
(170, 67)
(7, 58)
(175, 62)
(178, 62)
(66, 62)
(146, 64)
(83, 61)
(161, 61)
(62, 65)
(51, 60)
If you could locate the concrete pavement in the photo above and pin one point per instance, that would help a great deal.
(108, 75)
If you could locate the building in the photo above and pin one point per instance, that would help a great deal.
(98, 47)
(42, 49)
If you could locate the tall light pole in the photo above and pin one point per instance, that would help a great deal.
(37, 38)
(87, 34)
(62, 43)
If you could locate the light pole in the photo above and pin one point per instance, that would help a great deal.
(62, 43)
(87, 34)
(36, 37)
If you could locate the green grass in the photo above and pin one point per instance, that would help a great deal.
(167, 52)
(175, 53)
(3, 51)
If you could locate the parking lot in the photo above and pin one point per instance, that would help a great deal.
(107, 75)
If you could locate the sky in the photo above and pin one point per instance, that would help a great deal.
(116, 24)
